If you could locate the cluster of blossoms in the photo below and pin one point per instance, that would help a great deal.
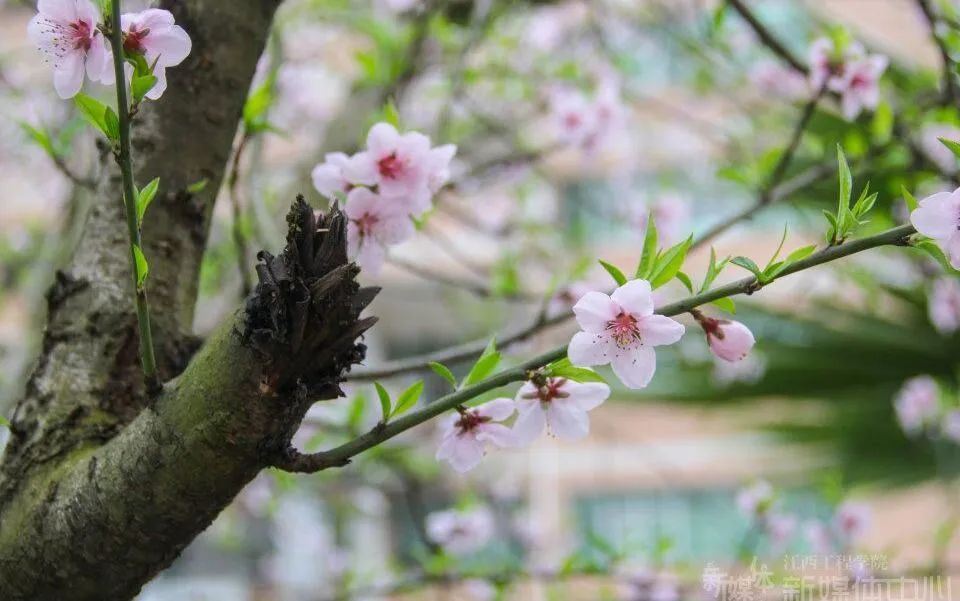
(758, 503)
(848, 71)
(938, 216)
(386, 185)
(920, 411)
(69, 33)
(585, 121)
(850, 521)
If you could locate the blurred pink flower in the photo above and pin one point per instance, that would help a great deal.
(771, 78)
(819, 536)
(938, 217)
(374, 223)
(583, 121)
(944, 305)
(153, 34)
(728, 340)
(917, 403)
(461, 531)
(567, 295)
(480, 590)
(671, 214)
(851, 521)
(748, 371)
(753, 501)
(65, 31)
(622, 330)
(328, 177)
(861, 85)
(780, 527)
(466, 434)
(559, 406)
(930, 142)
(951, 425)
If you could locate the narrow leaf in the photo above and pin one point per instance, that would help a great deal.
(145, 197)
(953, 146)
(800, 253)
(685, 280)
(649, 256)
(747, 264)
(444, 372)
(408, 398)
(143, 268)
(726, 304)
(615, 273)
(846, 181)
(93, 111)
(670, 263)
(910, 199)
(384, 400)
(112, 123)
(485, 365)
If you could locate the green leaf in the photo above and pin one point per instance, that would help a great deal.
(953, 146)
(112, 123)
(258, 103)
(145, 197)
(882, 124)
(485, 365)
(846, 182)
(747, 264)
(140, 85)
(865, 202)
(615, 273)
(670, 263)
(713, 270)
(800, 253)
(565, 369)
(94, 112)
(40, 137)
(4, 422)
(776, 253)
(391, 115)
(143, 268)
(726, 304)
(444, 372)
(910, 199)
(685, 280)
(649, 256)
(930, 247)
(408, 398)
(198, 186)
(384, 400)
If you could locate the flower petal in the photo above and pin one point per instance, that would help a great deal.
(462, 452)
(587, 395)
(656, 330)
(169, 47)
(327, 179)
(497, 434)
(530, 423)
(68, 76)
(382, 139)
(64, 11)
(497, 409)
(936, 216)
(635, 297)
(362, 169)
(635, 368)
(594, 310)
(587, 348)
(567, 421)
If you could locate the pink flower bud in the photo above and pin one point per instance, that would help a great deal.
(728, 340)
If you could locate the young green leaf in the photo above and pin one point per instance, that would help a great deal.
(686, 281)
(40, 137)
(713, 270)
(143, 268)
(385, 402)
(145, 197)
(444, 372)
(649, 256)
(198, 186)
(953, 146)
(407, 399)
(112, 123)
(391, 115)
(800, 253)
(910, 199)
(4, 422)
(485, 365)
(776, 253)
(747, 264)
(615, 273)
(669, 264)
(140, 85)
(846, 185)
(726, 304)
(93, 111)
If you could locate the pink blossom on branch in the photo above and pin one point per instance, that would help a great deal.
(622, 330)
(728, 340)
(329, 178)
(558, 405)
(373, 224)
(153, 34)
(851, 521)
(65, 31)
(917, 404)
(938, 217)
(467, 433)
(849, 72)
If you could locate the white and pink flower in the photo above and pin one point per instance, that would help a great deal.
(728, 340)
(755, 500)
(780, 527)
(403, 166)
(373, 224)
(851, 521)
(917, 404)
(849, 72)
(329, 178)
(557, 405)
(944, 305)
(622, 330)
(66, 32)
(461, 531)
(938, 217)
(467, 433)
(153, 34)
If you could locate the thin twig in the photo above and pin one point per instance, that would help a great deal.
(768, 39)
(294, 461)
(949, 83)
(477, 289)
(239, 239)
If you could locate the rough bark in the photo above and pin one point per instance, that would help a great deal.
(103, 520)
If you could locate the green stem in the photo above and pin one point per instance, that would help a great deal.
(147, 358)
(341, 455)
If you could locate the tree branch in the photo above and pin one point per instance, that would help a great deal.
(949, 83)
(768, 39)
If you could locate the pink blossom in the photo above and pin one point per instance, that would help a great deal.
(374, 223)
(466, 434)
(66, 32)
(917, 403)
(461, 531)
(819, 536)
(754, 500)
(559, 405)
(861, 85)
(328, 177)
(402, 166)
(749, 371)
(828, 64)
(938, 217)
(572, 115)
(851, 521)
(153, 34)
(951, 425)
(728, 340)
(780, 527)
(622, 330)
(771, 78)
(944, 305)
